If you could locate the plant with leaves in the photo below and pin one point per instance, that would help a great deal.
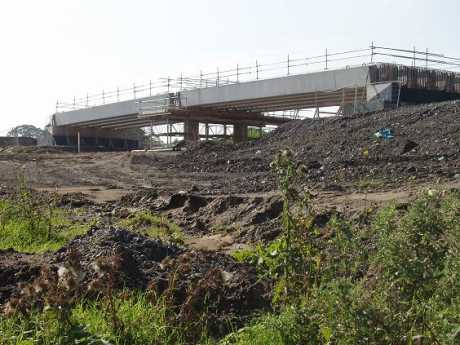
(297, 252)
(26, 131)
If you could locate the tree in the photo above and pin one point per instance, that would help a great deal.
(26, 131)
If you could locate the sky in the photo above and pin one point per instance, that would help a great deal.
(55, 49)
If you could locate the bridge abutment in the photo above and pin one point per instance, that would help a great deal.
(97, 138)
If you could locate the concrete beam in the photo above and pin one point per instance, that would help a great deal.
(107, 111)
(277, 87)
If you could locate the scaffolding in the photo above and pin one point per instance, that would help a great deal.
(290, 66)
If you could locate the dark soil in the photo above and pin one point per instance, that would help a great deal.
(200, 281)
(248, 218)
(16, 269)
(340, 151)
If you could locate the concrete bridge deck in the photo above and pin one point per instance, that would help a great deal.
(363, 88)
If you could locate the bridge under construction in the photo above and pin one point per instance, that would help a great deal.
(236, 102)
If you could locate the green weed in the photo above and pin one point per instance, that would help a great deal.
(29, 228)
(143, 322)
(152, 225)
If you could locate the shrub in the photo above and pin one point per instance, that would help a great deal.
(291, 327)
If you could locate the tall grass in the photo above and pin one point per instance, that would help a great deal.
(144, 322)
(395, 281)
(31, 225)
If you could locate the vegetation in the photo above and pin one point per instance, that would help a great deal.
(152, 225)
(254, 133)
(28, 224)
(387, 277)
(26, 131)
(395, 281)
(143, 322)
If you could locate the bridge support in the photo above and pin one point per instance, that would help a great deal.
(191, 131)
(240, 133)
(90, 139)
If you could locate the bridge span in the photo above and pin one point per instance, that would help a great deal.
(358, 89)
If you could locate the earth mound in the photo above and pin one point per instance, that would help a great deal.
(195, 281)
(342, 150)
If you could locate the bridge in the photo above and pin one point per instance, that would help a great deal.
(238, 104)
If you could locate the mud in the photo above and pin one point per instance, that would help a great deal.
(247, 218)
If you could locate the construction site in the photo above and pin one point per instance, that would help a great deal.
(193, 183)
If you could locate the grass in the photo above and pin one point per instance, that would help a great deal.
(143, 323)
(153, 225)
(36, 231)
(289, 327)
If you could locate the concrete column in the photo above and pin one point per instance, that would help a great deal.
(206, 128)
(191, 131)
(240, 132)
(96, 134)
(67, 137)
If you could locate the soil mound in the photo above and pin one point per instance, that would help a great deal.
(15, 269)
(141, 198)
(195, 281)
(337, 150)
(140, 255)
(249, 218)
(143, 159)
(202, 281)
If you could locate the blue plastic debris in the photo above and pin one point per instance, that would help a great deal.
(385, 133)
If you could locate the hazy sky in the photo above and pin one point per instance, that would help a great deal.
(54, 49)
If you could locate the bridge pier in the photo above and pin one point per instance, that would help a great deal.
(240, 133)
(191, 131)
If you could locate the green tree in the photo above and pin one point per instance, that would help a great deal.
(26, 131)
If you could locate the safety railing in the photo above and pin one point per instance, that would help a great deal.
(159, 104)
(257, 71)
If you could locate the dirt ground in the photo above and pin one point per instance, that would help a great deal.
(225, 195)
(214, 209)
